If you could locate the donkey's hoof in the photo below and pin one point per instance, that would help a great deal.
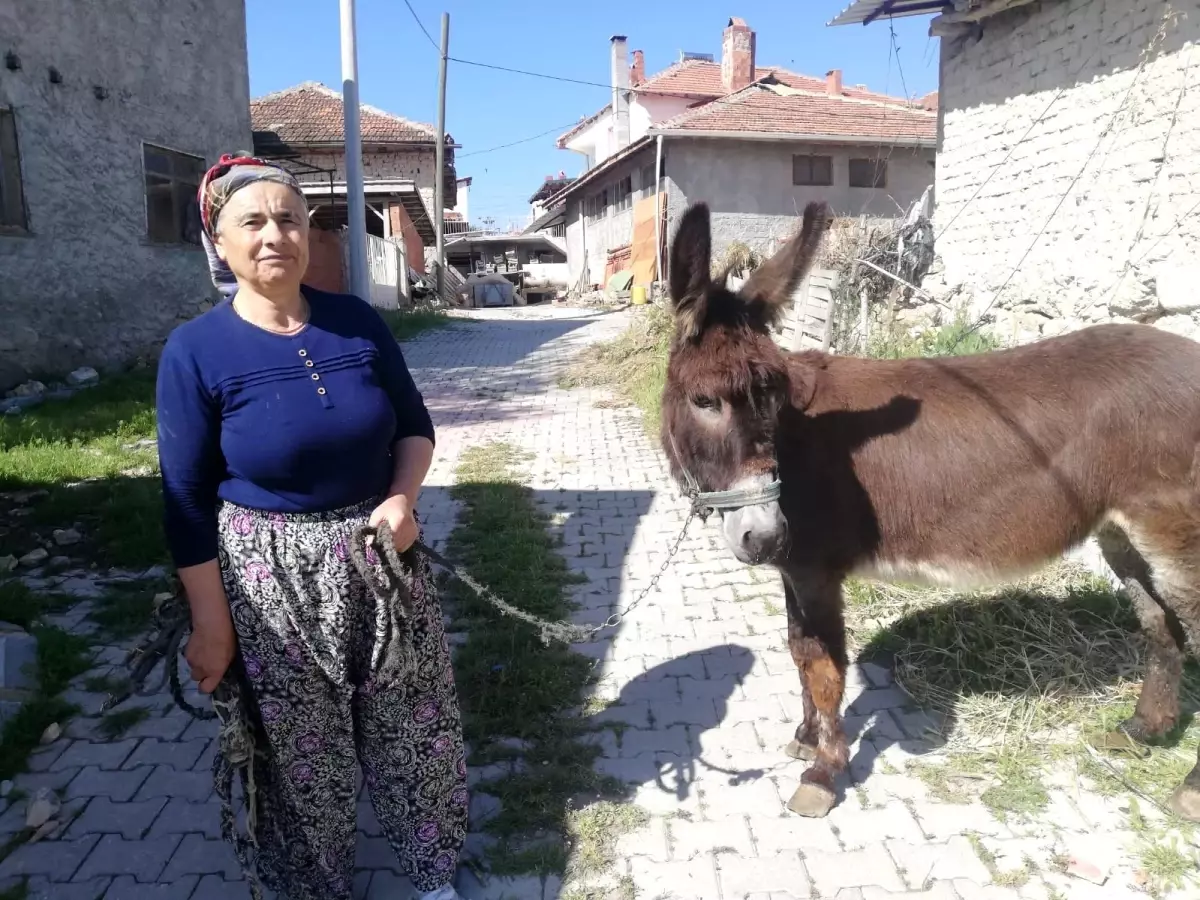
(812, 801)
(1185, 803)
(797, 750)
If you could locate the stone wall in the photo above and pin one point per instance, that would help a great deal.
(83, 285)
(1107, 90)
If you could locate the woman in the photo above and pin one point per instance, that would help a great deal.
(287, 419)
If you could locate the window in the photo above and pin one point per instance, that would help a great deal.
(172, 179)
(868, 173)
(648, 185)
(623, 194)
(812, 170)
(12, 195)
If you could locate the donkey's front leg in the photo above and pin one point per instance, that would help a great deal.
(817, 641)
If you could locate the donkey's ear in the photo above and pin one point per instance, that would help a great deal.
(691, 257)
(771, 285)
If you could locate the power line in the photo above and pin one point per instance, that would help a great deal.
(557, 128)
(483, 65)
(421, 25)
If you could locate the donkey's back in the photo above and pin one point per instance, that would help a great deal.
(971, 469)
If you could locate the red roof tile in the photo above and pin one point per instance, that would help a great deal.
(761, 110)
(702, 79)
(312, 113)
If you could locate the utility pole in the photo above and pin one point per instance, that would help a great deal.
(439, 208)
(356, 207)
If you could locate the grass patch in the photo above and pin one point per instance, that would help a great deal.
(92, 453)
(114, 724)
(1023, 677)
(124, 612)
(510, 684)
(60, 657)
(1167, 866)
(634, 364)
(21, 606)
(406, 324)
(955, 338)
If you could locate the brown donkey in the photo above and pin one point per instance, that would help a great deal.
(953, 471)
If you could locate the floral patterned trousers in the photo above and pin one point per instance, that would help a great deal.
(305, 623)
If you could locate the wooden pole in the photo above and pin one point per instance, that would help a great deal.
(439, 207)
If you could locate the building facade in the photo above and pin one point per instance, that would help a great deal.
(101, 154)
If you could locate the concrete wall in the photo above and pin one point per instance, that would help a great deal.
(588, 242)
(84, 285)
(748, 185)
(326, 270)
(1121, 245)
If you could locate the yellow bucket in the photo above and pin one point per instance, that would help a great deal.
(638, 295)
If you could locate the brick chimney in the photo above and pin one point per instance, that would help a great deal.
(833, 82)
(637, 71)
(620, 92)
(737, 56)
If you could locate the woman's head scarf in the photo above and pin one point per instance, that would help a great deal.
(222, 181)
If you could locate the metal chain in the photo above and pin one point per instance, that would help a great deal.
(559, 631)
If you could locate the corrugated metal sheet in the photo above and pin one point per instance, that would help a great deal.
(863, 12)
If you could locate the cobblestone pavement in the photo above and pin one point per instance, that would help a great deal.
(699, 673)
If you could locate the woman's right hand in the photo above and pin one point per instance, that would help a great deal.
(209, 651)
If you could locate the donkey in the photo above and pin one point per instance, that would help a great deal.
(957, 471)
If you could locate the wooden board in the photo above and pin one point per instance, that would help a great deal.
(807, 323)
(644, 251)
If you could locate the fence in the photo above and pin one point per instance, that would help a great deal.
(387, 270)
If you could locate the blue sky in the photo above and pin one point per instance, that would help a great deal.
(398, 67)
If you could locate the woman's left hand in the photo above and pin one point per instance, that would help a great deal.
(397, 511)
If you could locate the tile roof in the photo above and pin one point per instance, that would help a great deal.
(773, 108)
(702, 79)
(312, 113)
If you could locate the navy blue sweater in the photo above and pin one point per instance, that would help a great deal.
(283, 423)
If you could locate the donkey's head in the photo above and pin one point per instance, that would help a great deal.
(727, 380)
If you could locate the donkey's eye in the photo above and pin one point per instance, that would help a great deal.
(702, 402)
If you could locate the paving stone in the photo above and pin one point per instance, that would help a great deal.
(385, 885)
(754, 798)
(96, 782)
(931, 862)
(179, 755)
(858, 827)
(32, 782)
(143, 860)
(693, 880)
(941, 821)
(744, 876)
(778, 834)
(43, 889)
(126, 887)
(57, 860)
(375, 853)
(180, 816)
(871, 866)
(130, 820)
(873, 699)
(164, 781)
(198, 855)
(41, 760)
(169, 727)
(86, 753)
(939, 890)
(692, 839)
(214, 887)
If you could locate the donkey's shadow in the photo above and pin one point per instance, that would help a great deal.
(1013, 646)
(663, 721)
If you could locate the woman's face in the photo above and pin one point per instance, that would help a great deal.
(262, 234)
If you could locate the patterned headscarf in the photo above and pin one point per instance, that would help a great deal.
(222, 181)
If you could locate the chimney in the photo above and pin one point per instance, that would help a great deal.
(833, 82)
(737, 56)
(637, 72)
(620, 89)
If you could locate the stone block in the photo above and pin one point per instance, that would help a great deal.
(18, 659)
(143, 860)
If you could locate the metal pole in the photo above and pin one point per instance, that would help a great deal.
(659, 276)
(439, 209)
(356, 209)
